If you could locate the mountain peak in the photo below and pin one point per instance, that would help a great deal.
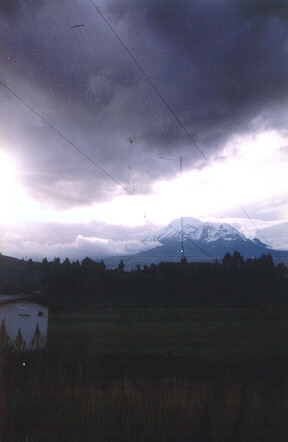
(204, 242)
(197, 230)
(187, 221)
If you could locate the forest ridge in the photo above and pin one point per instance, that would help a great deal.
(235, 282)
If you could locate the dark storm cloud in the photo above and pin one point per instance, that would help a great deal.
(219, 65)
(9, 7)
(222, 64)
(277, 8)
(66, 62)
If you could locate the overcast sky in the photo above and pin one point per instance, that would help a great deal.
(209, 85)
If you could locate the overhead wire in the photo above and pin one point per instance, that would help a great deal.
(167, 106)
(259, 232)
(150, 82)
(80, 151)
(57, 131)
(194, 244)
(161, 96)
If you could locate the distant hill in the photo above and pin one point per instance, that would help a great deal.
(203, 242)
(18, 275)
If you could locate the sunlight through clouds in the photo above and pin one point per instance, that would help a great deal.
(65, 100)
(251, 169)
(8, 189)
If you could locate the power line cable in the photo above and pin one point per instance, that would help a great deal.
(194, 244)
(170, 109)
(57, 131)
(259, 231)
(151, 83)
(166, 104)
(101, 168)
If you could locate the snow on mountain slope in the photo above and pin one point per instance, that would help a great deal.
(275, 232)
(208, 241)
(196, 230)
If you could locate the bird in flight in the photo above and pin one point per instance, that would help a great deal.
(76, 26)
(130, 139)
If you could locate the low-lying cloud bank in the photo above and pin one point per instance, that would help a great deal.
(110, 240)
(35, 242)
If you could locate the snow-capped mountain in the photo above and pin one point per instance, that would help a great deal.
(203, 242)
(196, 230)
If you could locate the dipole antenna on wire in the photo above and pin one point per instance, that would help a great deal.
(182, 226)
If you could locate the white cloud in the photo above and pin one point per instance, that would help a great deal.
(17, 245)
(252, 171)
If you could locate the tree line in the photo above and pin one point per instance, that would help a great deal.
(88, 284)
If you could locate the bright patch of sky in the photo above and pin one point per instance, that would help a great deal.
(250, 170)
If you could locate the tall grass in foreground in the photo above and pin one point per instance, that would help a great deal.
(47, 407)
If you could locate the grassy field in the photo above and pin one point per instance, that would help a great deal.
(140, 409)
(151, 375)
(211, 335)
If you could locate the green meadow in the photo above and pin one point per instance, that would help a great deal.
(209, 334)
(151, 375)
